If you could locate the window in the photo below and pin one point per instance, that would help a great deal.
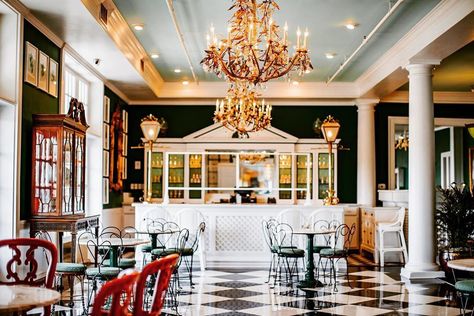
(88, 90)
(77, 87)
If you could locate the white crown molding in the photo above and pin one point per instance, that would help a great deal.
(69, 50)
(272, 101)
(121, 34)
(26, 13)
(438, 21)
(439, 97)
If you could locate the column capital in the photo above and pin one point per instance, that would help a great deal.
(422, 65)
(366, 104)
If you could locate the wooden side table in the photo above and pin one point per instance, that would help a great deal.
(72, 224)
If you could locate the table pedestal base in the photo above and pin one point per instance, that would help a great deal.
(310, 284)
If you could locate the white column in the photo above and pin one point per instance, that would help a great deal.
(366, 188)
(421, 193)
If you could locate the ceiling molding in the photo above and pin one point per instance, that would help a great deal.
(275, 90)
(438, 21)
(439, 97)
(119, 31)
(26, 14)
(70, 51)
(273, 102)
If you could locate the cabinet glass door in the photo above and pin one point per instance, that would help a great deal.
(195, 175)
(285, 167)
(157, 175)
(79, 177)
(68, 170)
(46, 171)
(176, 175)
(303, 175)
(323, 174)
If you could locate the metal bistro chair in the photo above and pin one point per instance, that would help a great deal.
(115, 232)
(190, 249)
(267, 227)
(286, 251)
(323, 241)
(158, 275)
(70, 270)
(117, 295)
(22, 268)
(151, 224)
(340, 250)
(98, 250)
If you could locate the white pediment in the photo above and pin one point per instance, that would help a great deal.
(217, 133)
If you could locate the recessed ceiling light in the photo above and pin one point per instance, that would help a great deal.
(155, 56)
(330, 55)
(177, 70)
(295, 83)
(351, 26)
(138, 27)
(185, 82)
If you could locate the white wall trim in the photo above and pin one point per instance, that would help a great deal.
(443, 97)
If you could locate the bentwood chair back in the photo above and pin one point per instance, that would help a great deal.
(119, 293)
(159, 272)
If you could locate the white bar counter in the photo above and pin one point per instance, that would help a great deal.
(234, 231)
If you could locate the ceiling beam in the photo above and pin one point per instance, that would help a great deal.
(119, 31)
(439, 97)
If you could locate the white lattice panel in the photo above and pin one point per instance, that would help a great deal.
(239, 233)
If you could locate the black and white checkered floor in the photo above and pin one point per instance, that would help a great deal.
(244, 292)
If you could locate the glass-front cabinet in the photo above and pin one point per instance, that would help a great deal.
(240, 173)
(58, 164)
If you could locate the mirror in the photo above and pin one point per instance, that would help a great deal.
(449, 152)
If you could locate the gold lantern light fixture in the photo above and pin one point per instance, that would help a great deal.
(151, 128)
(330, 129)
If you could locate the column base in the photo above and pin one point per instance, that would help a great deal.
(412, 273)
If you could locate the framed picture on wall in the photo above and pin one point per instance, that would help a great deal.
(53, 78)
(125, 121)
(105, 190)
(124, 172)
(31, 64)
(105, 163)
(125, 144)
(106, 136)
(106, 109)
(471, 169)
(43, 71)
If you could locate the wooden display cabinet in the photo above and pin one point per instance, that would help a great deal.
(58, 163)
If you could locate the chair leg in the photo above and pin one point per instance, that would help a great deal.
(381, 249)
(404, 246)
(270, 269)
(70, 281)
(191, 272)
(347, 273)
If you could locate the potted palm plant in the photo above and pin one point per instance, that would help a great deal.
(455, 223)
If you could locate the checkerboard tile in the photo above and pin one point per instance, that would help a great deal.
(366, 293)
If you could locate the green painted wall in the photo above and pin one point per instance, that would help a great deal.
(401, 162)
(468, 143)
(34, 101)
(442, 144)
(115, 198)
(295, 120)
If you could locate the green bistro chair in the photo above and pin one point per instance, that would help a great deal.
(98, 250)
(69, 270)
(267, 227)
(463, 287)
(342, 241)
(151, 225)
(323, 241)
(115, 232)
(288, 254)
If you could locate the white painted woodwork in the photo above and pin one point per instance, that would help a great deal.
(421, 195)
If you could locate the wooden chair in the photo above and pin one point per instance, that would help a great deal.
(158, 271)
(22, 268)
(119, 293)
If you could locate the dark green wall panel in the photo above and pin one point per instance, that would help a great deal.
(34, 101)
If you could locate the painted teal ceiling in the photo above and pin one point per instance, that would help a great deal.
(324, 19)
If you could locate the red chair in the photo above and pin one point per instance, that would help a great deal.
(22, 268)
(162, 269)
(120, 291)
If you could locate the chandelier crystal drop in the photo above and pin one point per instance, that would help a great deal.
(255, 49)
(242, 111)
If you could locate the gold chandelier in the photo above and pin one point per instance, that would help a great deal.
(242, 111)
(403, 142)
(254, 50)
